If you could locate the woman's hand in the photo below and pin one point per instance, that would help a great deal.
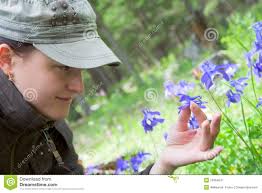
(186, 146)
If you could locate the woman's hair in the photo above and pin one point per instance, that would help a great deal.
(18, 47)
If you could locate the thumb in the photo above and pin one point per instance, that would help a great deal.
(210, 154)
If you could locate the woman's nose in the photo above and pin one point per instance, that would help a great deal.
(76, 84)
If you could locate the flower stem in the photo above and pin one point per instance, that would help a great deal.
(244, 118)
(251, 69)
(248, 132)
(253, 84)
(249, 102)
(254, 106)
(231, 125)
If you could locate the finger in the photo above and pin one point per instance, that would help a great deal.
(215, 125)
(205, 136)
(199, 114)
(211, 154)
(184, 116)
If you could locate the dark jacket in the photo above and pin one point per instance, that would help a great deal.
(30, 143)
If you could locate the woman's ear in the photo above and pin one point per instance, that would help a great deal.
(6, 58)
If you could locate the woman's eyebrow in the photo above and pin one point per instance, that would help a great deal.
(61, 65)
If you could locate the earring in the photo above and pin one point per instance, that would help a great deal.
(10, 76)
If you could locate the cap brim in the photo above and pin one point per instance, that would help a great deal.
(84, 54)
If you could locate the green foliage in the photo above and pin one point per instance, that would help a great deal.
(240, 30)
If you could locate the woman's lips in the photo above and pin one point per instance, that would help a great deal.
(66, 99)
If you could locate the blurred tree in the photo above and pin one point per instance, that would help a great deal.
(120, 52)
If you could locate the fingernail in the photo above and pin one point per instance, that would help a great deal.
(221, 148)
(193, 105)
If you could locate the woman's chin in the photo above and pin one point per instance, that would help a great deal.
(55, 116)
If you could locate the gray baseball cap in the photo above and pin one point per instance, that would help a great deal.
(64, 30)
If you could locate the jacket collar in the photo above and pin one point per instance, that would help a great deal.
(17, 113)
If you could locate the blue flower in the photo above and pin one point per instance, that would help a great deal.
(186, 100)
(193, 124)
(256, 50)
(137, 160)
(257, 27)
(172, 89)
(231, 70)
(232, 97)
(258, 66)
(150, 120)
(165, 136)
(259, 102)
(121, 165)
(239, 84)
(248, 56)
(186, 86)
(91, 170)
(212, 71)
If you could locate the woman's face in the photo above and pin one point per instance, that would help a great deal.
(47, 85)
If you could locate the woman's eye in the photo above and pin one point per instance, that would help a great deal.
(65, 68)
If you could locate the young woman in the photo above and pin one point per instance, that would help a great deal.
(44, 47)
